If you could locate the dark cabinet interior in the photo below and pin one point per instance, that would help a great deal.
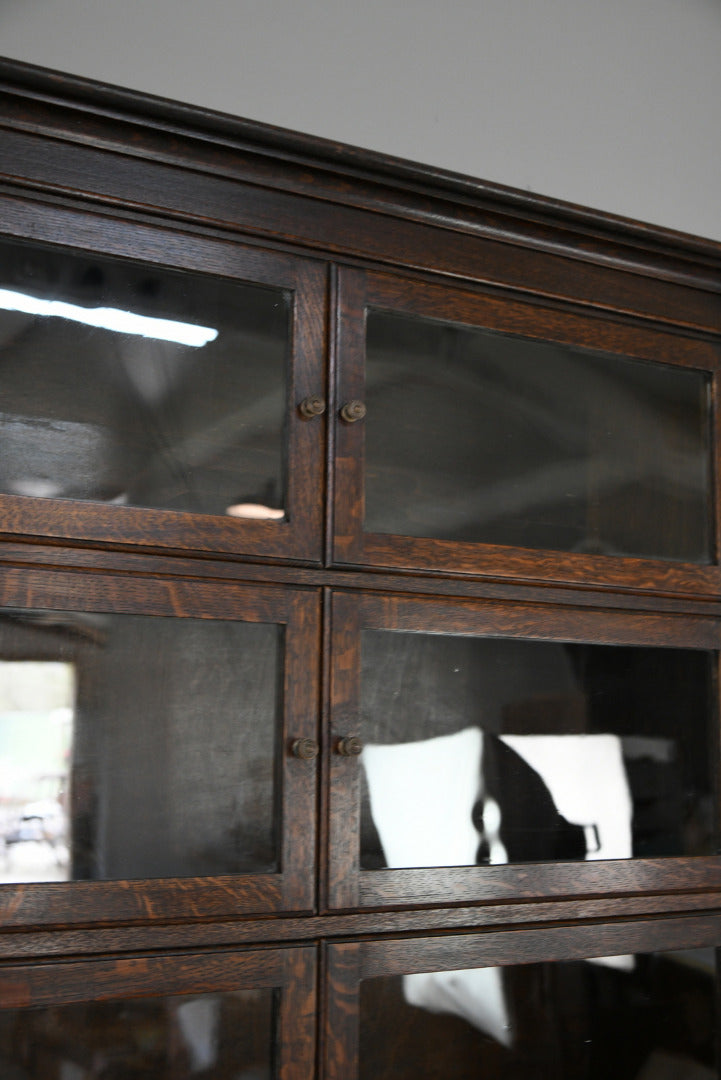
(359, 613)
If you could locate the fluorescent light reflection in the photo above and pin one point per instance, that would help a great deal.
(106, 318)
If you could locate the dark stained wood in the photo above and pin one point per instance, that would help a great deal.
(537, 881)
(87, 903)
(290, 971)
(461, 885)
(132, 977)
(80, 903)
(531, 567)
(296, 537)
(298, 796)
(16, 554)
(361, 290)
(532, 946)
(342, 860)
(342, 973)
(70, 941)
(92, 168)
(296, 1034)
(538, 622)
(382, 209)
(448, 953)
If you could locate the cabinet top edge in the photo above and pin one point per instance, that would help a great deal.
(511, 209)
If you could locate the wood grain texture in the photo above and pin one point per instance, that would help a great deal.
(416, 200)
(69, 941)
(538, 881)
(296, 1023)
(342, 856)
(342, 973)
(86, 167)
(15, 554)
(58, 984)
(533, 946)
(537, 622)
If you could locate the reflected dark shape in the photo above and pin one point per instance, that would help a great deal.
(209, 1036)
(96, 414)
(478, 436)
(174, 752)
(570, 1020)
(491, 750)
(523, 799)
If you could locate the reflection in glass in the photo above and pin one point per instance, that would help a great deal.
(137, 747)
(485, 750)
(208, 1036)
(37, 701)
(140, 413)
(650, 1018)
(478, 436)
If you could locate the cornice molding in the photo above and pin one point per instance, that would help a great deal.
(39, 99)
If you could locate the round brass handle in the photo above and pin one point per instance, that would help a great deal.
(312, 406)
(350, 746)
(352, 411)
(306, 749)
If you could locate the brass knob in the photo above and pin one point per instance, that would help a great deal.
(306, 749)
(312, 406)
(350, 746)
(352, 411)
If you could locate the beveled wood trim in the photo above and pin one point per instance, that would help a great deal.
(400, 208)
(340, 1030)
(297, 1015)
(30, 554)
(22, 945)
(539, 881)
(76, 904)
(531, 946)
(75, 590)
(66, 983)
(343, 830)
(299, 535)
(531, 320)
(298, 779)
(116, 902)
(531, 566)
(536, 622)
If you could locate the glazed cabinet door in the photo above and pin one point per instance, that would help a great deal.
(485, 752)
(160, 390)
(158, 749)
(637, 1002)
(245, 1015)
(478, 433)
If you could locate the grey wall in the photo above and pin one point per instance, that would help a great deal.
(614, 104)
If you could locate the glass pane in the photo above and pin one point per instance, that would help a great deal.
(209, 1036)
(186, 414)
(645, 1017)
(477, 436)
(133, 746)
(485, 750)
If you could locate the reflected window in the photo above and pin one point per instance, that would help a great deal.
(478, 436)
(643, 1017)
(488, 751)
(140, 386)
(208, 1036)
(37, 706)
(147, 747)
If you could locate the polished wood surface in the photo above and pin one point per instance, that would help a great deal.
(90, 168)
